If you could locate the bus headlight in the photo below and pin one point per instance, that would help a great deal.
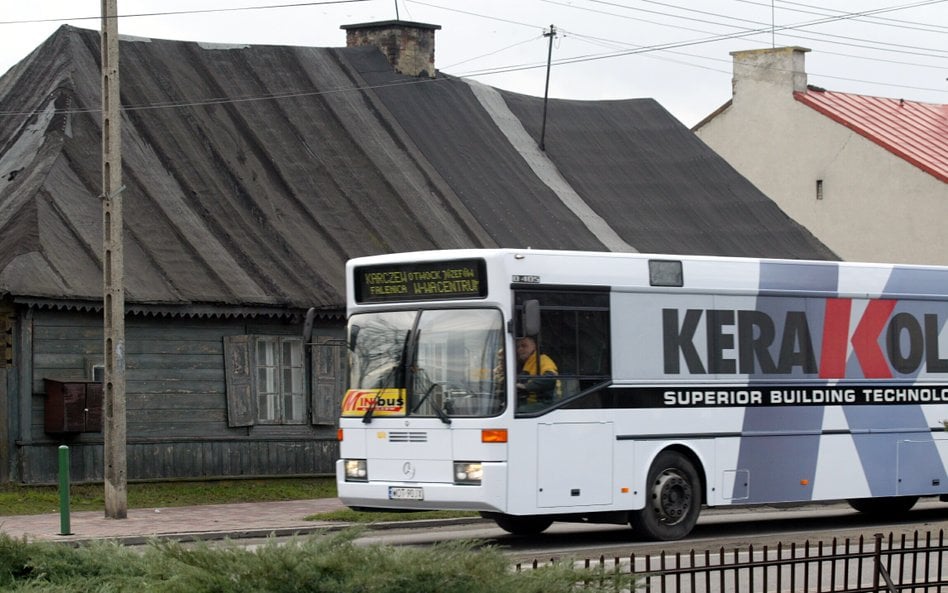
(356, 470)
(468, 472)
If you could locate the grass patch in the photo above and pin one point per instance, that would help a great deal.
(330, 563)
(17, 499)
(362, 517)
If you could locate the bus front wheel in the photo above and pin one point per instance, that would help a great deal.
(672, 500)
(521, 525)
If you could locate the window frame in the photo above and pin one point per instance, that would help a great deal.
(242, 368)
(277, 393)
(575, 301)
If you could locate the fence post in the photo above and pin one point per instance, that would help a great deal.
(64, 528)
(880, 570)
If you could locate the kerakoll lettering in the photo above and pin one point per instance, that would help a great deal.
(750, 342)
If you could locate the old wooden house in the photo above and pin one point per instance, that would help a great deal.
(252, 173)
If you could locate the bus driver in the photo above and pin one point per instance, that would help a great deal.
(537, 380)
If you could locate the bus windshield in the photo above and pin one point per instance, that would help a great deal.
(449, 363)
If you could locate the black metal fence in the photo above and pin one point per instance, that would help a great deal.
(908, 563)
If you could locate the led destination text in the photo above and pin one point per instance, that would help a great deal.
(435, 282)
(421, 281)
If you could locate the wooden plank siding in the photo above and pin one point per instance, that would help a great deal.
(176, 403)
(189, 460)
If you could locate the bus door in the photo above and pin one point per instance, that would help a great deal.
(574, 455)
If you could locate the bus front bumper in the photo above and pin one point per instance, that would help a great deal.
(490, 495)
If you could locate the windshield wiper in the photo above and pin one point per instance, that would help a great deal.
(367, 417)
(441, 414)
(437, 409)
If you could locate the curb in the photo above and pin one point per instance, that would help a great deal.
(262, 533)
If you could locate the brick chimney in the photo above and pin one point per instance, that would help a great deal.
(408, 46)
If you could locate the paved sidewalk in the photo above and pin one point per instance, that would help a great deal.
(218, 521)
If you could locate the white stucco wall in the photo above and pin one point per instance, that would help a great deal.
(875, 207)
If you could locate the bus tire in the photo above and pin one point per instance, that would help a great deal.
(888, 505)
(522, 525)
(672, 501)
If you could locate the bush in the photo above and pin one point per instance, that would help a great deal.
(50, 567)
(329, 563)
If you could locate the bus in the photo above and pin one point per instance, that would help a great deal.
(680, 382)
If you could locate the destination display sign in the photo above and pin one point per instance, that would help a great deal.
(421, 281)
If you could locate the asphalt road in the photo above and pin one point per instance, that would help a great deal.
(727, 528)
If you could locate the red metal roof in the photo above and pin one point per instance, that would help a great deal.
(916, 132)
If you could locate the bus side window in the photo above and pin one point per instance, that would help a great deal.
(575, 334)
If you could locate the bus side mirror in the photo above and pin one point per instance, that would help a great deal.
(531, 318)
(353, 336)
(308, 325)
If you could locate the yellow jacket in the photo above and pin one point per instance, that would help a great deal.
(542, 387)
(547, 366)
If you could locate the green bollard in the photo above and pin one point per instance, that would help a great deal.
(64, 490)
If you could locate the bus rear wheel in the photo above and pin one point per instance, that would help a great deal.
(889, 505)
(522, 525)
(672, 500)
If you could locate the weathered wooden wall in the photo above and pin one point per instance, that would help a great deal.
(7, 386)
(176, 402)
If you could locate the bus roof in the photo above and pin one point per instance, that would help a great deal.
(634, 271)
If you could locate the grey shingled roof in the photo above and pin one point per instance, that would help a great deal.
(253, 173)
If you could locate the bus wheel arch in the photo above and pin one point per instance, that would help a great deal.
(520, 525)
(673, 497)
(888, 505)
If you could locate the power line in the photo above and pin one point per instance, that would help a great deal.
(470, 13)
(180, 12)
(752, 32)
(884, 21)
(728, 62)
(764, 27)
(492, 53)
(630, 50)
(796, 35)
(227, 100)
(661, 47)
(615, 44)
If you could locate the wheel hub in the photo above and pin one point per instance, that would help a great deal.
(671, 497)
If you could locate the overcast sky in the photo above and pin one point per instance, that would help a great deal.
(674, 51)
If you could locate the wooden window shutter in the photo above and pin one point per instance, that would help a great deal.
(6, 341)
(238, 379)
(329, 379)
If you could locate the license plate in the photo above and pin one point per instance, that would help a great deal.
(402, 493)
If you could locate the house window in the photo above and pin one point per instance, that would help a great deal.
(819, 189)
(279, 380)
(265, 380)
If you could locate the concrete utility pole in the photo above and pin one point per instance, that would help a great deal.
(116, 475)
(546, 91)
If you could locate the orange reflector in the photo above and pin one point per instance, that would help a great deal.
(804, 482)
(339, 434)
(494, 435)
(624, 490)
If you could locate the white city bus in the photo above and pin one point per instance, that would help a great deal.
(682, 382)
